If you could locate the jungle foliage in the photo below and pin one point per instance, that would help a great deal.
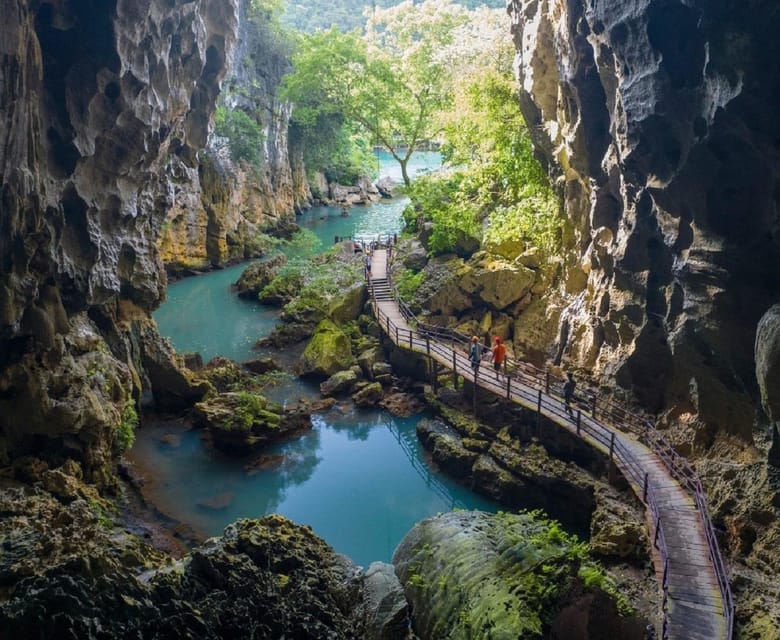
(347, 15)
(497, 191)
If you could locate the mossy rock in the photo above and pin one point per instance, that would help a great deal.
(472, 575)
(283, 288)
(339, 383)
(369, 396)
(240, 423)
(257, 276)
(348, 303)
(328, 352)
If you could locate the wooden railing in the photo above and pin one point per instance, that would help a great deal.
(541, 391)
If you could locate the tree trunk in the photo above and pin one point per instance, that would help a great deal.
(403, 162)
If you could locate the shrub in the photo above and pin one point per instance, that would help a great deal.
(127, 426)
(244, 136)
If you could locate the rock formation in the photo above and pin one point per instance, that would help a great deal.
(658, 121)
(101, 103)
(264, 578)
(221, 206)
(476, 575)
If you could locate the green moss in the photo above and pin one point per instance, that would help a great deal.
(127, 426)
(480, 576)
(104, 518)
(251, 409)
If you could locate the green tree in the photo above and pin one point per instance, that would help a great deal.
(392, 83)
(499, 188)
(243, 135)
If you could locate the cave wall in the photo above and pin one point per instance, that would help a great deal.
(657, 121)
(219, 209)
(99, 102)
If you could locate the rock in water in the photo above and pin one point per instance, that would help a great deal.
(474, 575)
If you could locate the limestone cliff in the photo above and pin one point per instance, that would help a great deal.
(100, 103)
(658, 121)
(221, 208)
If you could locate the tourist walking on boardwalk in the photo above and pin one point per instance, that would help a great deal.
(499, 355)
(568, 391)
(475, 354)
(368, 264)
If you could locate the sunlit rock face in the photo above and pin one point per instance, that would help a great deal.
(220, 207)
(659, 121)
(100, 102)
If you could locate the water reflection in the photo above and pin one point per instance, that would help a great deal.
(349, 478)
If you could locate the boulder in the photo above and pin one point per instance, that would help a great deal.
(258, 275)
(367, 359)
(339, 383)
(223, 373)
(497, 283)
(386, 187)
(381, 369)
(402, 404)
(476, 575)
(387, 612)
(240, 423)
(261, 365)
(446, 448)
(174, 387)
(767, 353)
(508, 247)
(369, 395)
(328, 352)
(348, 304)
(415, 257)
(614, 533)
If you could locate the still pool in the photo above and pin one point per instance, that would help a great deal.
(359, 479)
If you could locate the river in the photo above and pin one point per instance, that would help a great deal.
(360, 478)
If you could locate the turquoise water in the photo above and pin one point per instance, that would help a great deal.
(360, 480)
(203, 313)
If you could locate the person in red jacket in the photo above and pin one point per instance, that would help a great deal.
(499, 355)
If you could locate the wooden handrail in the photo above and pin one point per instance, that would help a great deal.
(443, 341)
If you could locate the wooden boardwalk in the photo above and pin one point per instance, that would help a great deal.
(697, 603)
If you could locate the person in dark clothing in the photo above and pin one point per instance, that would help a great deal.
(475, 354)
(568, 391)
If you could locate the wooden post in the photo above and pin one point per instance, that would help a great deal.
(388, 326)
(594, 406)
(644, 489)
(657, 529)
(454, 370)
(612, 447)
(397, 340)
(539, 410)
(508, 388)
(547, 382)
(411, 336)
(579, 421)
(665, 580)
(428, 346)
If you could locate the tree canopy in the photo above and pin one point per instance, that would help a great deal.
(393, 82)
(346, 15)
